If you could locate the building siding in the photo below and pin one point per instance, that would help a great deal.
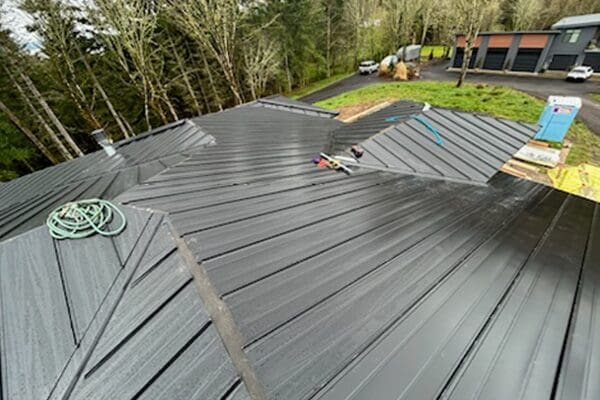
(533, 41)
(460, 41)
(551, 44)
(500, 41)
(559, 47)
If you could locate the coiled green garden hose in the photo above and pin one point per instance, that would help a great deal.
(80, 219)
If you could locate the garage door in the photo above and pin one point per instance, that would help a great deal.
(473, 57)
(562, 62)
(495, 59)
(526, 60)
(592, 60)
(458, 58)
(460, 53)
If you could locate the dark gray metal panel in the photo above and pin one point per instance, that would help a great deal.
(519, 353)
(314, 269)
(159, 342)
(202, 372)
(334, 281)
(27, 201)
(135, 363)
(239, 393)
(439, 331)
(288, 104)
(356, 132)
(135, 312)
(473, 147)
(36, 333)
(86, 283)
(581, 363)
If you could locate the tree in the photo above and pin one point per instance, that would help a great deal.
(471, 15)
(27, 132)
(64, 152)
(216, 26)
(334, 38)
(358, 15)
(55, 22)
(260, 64)
(525, 14)
(128, 29)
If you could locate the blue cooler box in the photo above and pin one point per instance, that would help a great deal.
(557, 118)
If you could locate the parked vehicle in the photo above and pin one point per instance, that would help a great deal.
(411, 53)
(389, 61)
(580, 74)
(368, 67)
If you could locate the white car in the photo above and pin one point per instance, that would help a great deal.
(580, 73)
(368, 67)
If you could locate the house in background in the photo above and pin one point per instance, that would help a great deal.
(572, 41)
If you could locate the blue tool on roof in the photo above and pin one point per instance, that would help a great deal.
(436, 134)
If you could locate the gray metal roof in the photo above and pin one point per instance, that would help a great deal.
(356, 132)
(472, 147)
(578, 21)
(285, 103)
(25, 202)
(374, 285)
(106, 318)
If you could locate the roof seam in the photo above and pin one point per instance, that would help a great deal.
(222, 319)
(98, 335)
(171, 360)
(382, 333)
(135, 330)
(449, 385)
(576, 298)
(63, 283)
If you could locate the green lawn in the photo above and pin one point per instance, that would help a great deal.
(497, 101)
(596, 96)
(313, 87)
(438, 51)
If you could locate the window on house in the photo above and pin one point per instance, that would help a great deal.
(571, 35)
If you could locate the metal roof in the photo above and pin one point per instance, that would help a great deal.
(106, 318)
(375, 285)
(362, 129)
(25, 202)
(578, 21)
(470, 147)
(285, 103)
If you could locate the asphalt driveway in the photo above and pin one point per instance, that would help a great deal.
(345, 85)
(539, 87)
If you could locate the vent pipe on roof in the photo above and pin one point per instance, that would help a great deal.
(104, 142)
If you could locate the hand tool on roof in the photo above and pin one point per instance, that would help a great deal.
(357, 151)
(333, 163)
(80, 219)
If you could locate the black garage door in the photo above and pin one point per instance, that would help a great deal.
(458, 57)
(562, 62)
(526, 60)
(473, 57)
(494, 59)
(592, 60)
(460, 53)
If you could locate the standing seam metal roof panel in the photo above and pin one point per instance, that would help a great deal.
(469, 149)
(377, 285)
